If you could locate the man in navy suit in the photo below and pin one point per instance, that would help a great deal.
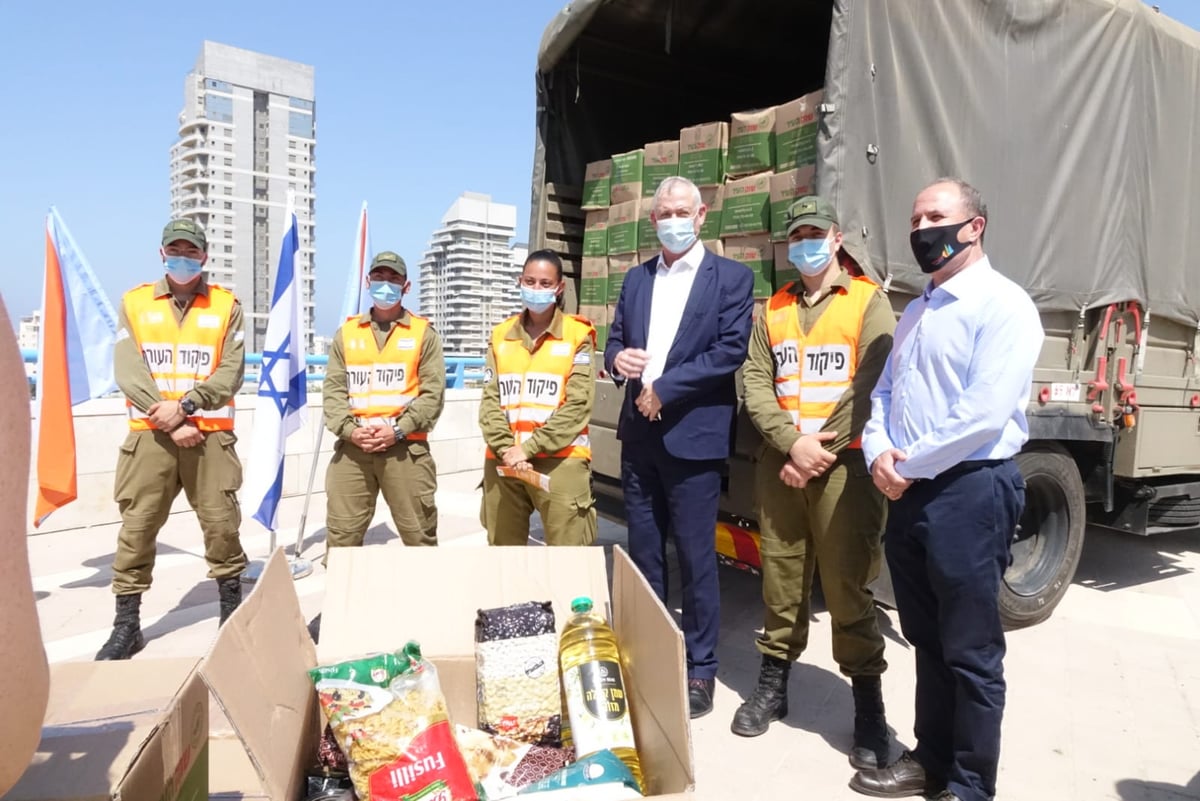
(680, 333)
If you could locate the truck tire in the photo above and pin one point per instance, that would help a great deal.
(1048, 540)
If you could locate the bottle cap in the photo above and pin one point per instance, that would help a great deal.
(581, 605)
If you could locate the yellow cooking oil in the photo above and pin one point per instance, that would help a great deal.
(594, 687)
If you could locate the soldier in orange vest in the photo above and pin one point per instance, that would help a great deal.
(815, 354)
(384, 389)
(179, 360)
(537, 399)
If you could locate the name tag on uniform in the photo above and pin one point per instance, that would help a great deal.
(542, 389)
(787, 358)
(560, 349)
(208, 321)
(358, 379)
(510, 388)
(406, 344)
(827, 363)
(159, 356)
(390, 377)
(195, 359)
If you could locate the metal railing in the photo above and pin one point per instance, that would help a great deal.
(459, 369)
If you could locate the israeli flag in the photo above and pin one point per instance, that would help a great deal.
(282, 386)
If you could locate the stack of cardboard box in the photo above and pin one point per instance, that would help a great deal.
(749, 171)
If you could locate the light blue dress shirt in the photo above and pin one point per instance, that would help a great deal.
(957, 381)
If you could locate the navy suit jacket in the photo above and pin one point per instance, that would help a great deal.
(697, 389)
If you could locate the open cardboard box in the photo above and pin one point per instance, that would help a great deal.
(379, 597)
(121, 730)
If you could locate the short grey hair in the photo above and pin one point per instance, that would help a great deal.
(669, 184)
(972, 200)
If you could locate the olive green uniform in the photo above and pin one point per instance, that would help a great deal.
(837, 520)
(405, 473)
(568, 510)
(151, 468)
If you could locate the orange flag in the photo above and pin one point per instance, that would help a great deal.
(74, 362)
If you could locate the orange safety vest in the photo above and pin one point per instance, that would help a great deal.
(534, 385)
(381, 383)
(813, 372)
(180, 355)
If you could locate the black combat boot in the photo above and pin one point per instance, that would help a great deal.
(126, 638)
(871, 743)
(769, 701)
(230, 591)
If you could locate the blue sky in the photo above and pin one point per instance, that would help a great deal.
(416, 103)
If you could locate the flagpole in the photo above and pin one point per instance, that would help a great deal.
(312, 477)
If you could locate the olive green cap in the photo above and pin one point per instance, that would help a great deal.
(187, 230)
(811, 210)
(390, 260)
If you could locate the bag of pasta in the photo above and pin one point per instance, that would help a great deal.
(390, 719)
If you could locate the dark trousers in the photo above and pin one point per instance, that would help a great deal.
(666, 495)
(947, 545)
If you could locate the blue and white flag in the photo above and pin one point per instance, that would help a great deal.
(282, 384)
(353, 301)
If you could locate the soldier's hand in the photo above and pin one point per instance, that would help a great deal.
(514, 456)
(367, 438)
(385, 437)
(166, 414)
(187, 436)
(809, 455)
(792, 476)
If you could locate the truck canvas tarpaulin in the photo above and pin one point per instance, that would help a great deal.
(257, 669)
(1085, 79)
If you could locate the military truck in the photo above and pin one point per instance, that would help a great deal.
(1078, 120)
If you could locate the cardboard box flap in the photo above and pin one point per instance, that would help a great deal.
(652, 648)
(258, 672)
(100, 719)
(380, 597)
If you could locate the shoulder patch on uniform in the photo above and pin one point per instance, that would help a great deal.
(583, 358)
(488, 375)
(239, 336)
(122, 334)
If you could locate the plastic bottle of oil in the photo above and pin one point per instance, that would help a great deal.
(594, 687)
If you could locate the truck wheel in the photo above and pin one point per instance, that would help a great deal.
(1048, 540)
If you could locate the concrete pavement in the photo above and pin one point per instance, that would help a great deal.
(1104, 698)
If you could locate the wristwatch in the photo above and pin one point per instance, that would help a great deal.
(399, 432)
(188, 405)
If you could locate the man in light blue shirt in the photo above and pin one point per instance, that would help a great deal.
(947, 416)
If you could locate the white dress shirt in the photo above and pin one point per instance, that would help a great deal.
(957, 382)
(671, 288)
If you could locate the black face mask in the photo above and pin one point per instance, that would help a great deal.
(933, 247)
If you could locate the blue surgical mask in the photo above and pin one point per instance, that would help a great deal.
(182, 269)
(677, 234)
(385, 294)
(810, 256)
(538, 300)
